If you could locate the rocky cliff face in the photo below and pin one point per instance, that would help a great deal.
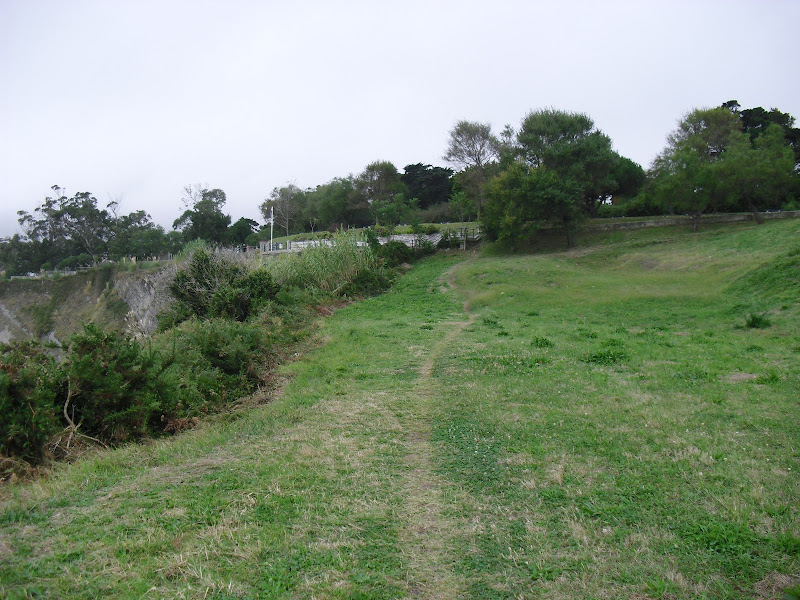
(54, 309)
(146, 296)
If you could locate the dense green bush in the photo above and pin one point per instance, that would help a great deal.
(396, 253)
(82, 260)
(215, 361)
(213, 285)
(640, 206)
(30, 387)
(116, 387)
(438, 213)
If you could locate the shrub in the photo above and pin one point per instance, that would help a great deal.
(116, 388)
(425, 248)
(395, 253)
(639, 206)
(215, 361)
(215, 286)
(438, 213)
(30, 383)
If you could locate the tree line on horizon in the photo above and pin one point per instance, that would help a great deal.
(557, 169)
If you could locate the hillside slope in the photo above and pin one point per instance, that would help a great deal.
(599, 423)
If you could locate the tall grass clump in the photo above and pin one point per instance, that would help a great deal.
(343, 269)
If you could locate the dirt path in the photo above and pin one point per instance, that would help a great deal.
(428, 530)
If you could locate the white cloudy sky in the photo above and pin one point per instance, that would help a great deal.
(134, 99)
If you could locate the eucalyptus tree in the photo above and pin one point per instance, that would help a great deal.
(472, 147)
(65, 225)
(284, 204)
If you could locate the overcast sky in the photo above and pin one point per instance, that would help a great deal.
(132, 100)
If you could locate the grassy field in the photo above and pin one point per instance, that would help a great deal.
(616, 421)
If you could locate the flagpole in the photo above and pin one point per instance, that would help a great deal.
(271, 223)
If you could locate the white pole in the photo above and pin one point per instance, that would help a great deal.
(271, 222)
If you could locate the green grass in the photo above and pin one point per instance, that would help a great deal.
(598, 423)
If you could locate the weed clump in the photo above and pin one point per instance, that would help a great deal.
(758, 321)
(541, 342)
(611, 352)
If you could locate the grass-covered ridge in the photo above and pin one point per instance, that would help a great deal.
(598, 423)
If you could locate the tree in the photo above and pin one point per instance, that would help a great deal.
(682, 176)
(285, 202)
(472, 147)
(523, 198)
(630, 178)
(756, 174)
(756, 121)
(392, 211)
(570, 145)
(18, 256)
(462, 205)
(136, 235)
(330, 203)
(430, 185)
(377, 186)
(204, 219)
(238, 233)
(683, 184)
(64, 226)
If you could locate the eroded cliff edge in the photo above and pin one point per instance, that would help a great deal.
(51, 310)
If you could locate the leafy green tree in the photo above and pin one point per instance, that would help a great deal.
(19, 255)
(630, 178)
(756, 174)
(239, 232)
(682, 177)
(683, 184)
(430, 185)
(569, 145)
(523, 198)
(330, 203)
(395, 210)
(64, 226)
(136, 235)
(756, 121)
(376, 188)
(203, 219)
(462, 205)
